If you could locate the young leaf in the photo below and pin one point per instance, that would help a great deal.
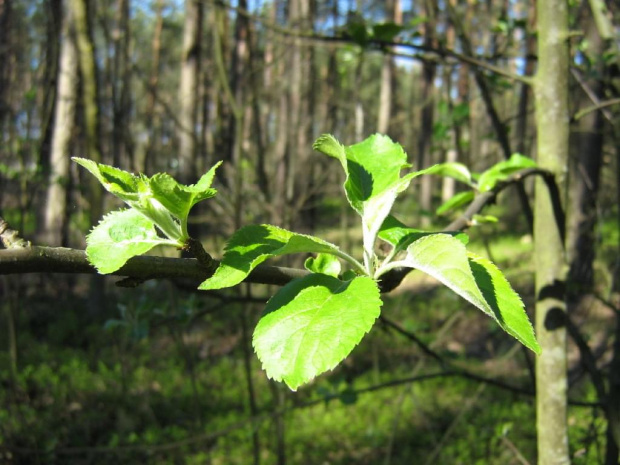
(178, 198)
(454, 170)
(312, 324)
(373, 181)
(118, 237)
(502, 170)
(504, 302)
(456, 201)
(446, 259)
(400, 236)
(323, 263)
(124, 185)
(251, 245)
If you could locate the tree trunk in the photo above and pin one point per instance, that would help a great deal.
(55, 215)
(122, 151)
(551, 92)
(143, 157)
(6, 7)
(88, 73)
(188, 90)
(585, 165)
(427, 96)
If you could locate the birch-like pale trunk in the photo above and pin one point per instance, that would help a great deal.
(55, 215)
(552, 120)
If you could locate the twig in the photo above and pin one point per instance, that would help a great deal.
(599, 106)
(380, 45)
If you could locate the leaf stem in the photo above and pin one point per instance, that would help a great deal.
(348, 258)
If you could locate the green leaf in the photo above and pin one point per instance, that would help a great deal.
(373, 180)
(124, 185)
(484, 219)
(505, 303)
(454, 170)
(178, 198)
(386, 32)
(456, 201)
(118, 237)
(323, 263)
(446, 259)
(312, 324)
(502, 170)
(251, 245)
(400, 236)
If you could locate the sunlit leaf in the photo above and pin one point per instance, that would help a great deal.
(475, 279)
(251, 245)
(118, 237)
(502, 170)
(312, 324)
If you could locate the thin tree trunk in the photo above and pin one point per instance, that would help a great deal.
(143, 159)
(54, 27)
(427, 96)
(121, 138)
(6, 8)
(88, 73)
(551, 92)
(55, 215)
(188, 90)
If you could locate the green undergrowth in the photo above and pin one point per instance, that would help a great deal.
(159, 378)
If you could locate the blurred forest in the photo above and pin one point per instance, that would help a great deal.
(95, 370)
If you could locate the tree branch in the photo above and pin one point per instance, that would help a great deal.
(36, 259)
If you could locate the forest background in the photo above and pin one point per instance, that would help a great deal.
(101, 370)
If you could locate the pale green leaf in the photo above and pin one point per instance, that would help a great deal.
(454, 170)
(179, 198)
(400, 236)
(456, 201)
(251, 245)
(504, 302)
(124, 185)
(373, 168)
(323, 263)
(484, 219)
(118, 237)
(502, 170)
(446, 259)
(312, 324)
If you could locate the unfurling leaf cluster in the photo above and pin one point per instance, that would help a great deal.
(158, 215)
(311, 324)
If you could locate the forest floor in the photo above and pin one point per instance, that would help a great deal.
(161, 377)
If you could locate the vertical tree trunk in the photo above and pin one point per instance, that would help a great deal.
(188, 90)
(122, 151)
(427, 96)
(54, 25)
(585, 165)
(88, 72)
(525, 91)
(55, 215)
(143, 157)
(5, 22)
(551, 92)
(393, 11)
